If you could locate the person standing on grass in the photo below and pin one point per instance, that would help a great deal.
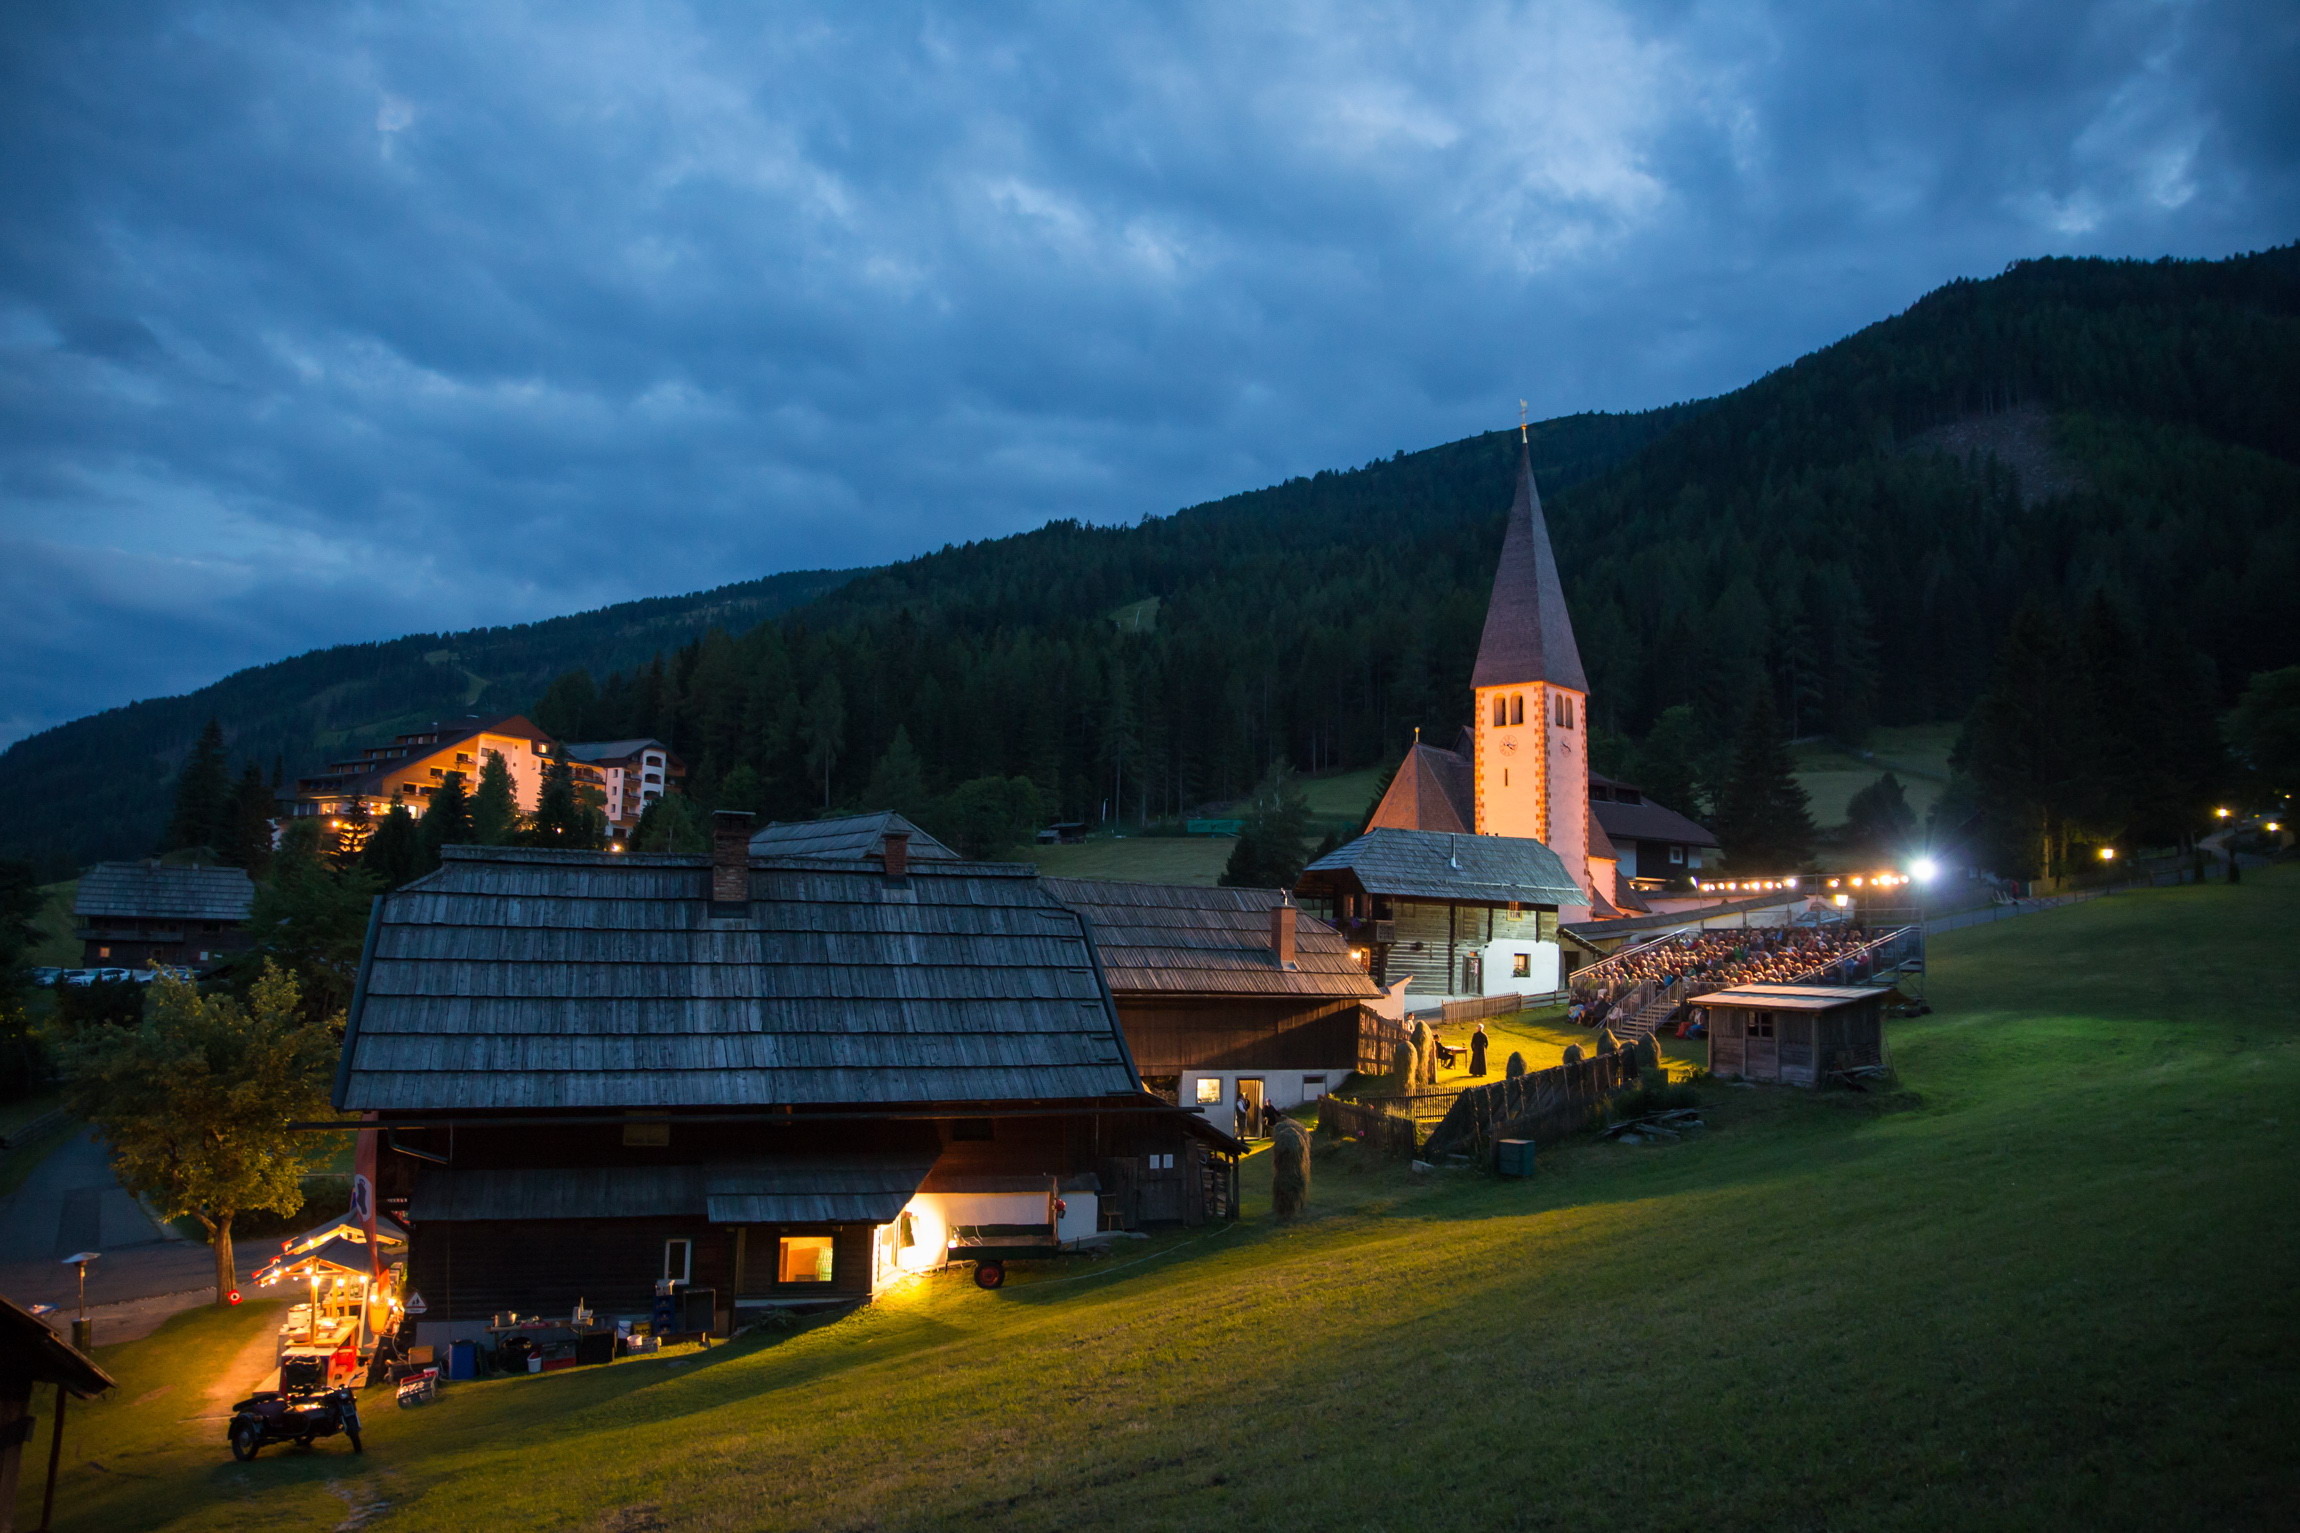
(1477, 1051)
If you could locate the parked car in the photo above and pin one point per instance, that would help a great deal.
(46, 976)
(78, 977)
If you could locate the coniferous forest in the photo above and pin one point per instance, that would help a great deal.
(2115, 443)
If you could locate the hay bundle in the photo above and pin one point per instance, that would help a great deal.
(1289, 1169)
(1515, 1067)
(1648, 1055)
(1573, 1053)
(1402, 1062)
(1606, 1042)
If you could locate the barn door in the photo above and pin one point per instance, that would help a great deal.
(1763, 1049)
(1728, 1050)
(1250, 1124)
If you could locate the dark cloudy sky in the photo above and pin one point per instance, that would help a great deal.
(337, 321)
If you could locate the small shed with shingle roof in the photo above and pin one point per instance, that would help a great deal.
(133, 914)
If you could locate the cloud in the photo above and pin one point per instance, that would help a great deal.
(319, 323)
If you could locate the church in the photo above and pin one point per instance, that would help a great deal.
(1476, 917)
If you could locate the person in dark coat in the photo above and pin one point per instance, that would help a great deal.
(1477, 1051)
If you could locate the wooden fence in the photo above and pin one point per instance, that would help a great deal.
(1391, 1133)
(1477, 1007)
(1547, 1104)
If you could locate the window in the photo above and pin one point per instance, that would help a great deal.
(1521, 966)
(1313, 1085)
(803, 1259)
(1505, 777)
(1209, 1090)
(970, 1128)
(463, 758)
(679, 1261)
(647, 1135)
(1760, 1024)
(1517, 709)
(1500, 710)
(1677, 855)
(1162, 1162)
(1564, 711)
(103, 952)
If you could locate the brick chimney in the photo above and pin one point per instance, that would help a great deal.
(897, 855)
(1282, 930)
(730, 858)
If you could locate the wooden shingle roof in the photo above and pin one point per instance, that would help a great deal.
(161, 891)
(1164, 939)
(851, 836)
(1424, 865)
(524, 978)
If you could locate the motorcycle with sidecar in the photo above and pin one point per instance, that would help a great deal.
(269, 1416)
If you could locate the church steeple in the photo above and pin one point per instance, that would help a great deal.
(1528, 634)
(1530, 760)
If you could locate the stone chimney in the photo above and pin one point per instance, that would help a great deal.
(1282, 930)
(897, 855)
(730, 859)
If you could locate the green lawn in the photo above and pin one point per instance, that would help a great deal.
(57, 947)
(1138, 859)
(1918, 754)
(2047, 1284)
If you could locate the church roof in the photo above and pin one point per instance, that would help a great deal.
(1528, 633)
(1431, 791)
(1464, 869)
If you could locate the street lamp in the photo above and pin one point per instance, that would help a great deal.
(2108, 854)
(80, 1260)
(1925, 870)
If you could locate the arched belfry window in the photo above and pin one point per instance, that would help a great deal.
(1517, 708)
(1500, 710)
(1564, 711)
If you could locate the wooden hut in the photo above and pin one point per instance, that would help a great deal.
(31, 1354)
(778, 1080)
(134, 914)
(1226, 993)
(1798, 1035)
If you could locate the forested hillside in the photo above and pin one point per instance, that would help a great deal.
(101, 786)
(1820, 532)
(1837, 531)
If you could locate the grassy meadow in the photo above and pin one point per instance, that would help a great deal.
(2047, 1283)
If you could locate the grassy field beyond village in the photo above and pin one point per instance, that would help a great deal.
(2048, 1284)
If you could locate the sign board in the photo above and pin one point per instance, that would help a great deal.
(415, 1305)
(362, 1199)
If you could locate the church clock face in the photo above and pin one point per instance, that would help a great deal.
(1509, 747)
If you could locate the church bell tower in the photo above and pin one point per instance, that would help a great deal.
(1531, 759)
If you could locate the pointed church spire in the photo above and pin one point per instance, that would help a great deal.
(1528, 635)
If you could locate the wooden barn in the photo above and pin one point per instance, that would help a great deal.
(134, 914)
(774, 1080)
(1797, 1035)
(1230, 992)
(1460, 915)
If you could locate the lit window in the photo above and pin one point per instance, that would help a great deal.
(803, 1259)
(679, 1260)
(1677, 854)
(1162, 1162)
(1209, 1090)
(1521, 966)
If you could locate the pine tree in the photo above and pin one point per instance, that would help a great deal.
(447, 822)
(898, 782)
(740, 789)
(349, 833)
(2024, 747)
(560, 818)
(394, 854)
(495, 813)
(565, 708)
(825, 729)
(670, 825)
(1764, 820)
(1269, 850)
(203, 796)
(1667, 765)
(247, 841)
(1879, 821)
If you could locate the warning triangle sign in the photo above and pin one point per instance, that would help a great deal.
(415, 1305)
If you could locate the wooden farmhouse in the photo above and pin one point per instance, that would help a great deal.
(1460, 915)
(1797, 1035)
(131, 915)
(1231, 992)
(849, 837)
(778, 1080)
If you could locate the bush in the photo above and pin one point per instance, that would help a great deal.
(1654, 1092)
(1289, 1169)
(1515, 1067)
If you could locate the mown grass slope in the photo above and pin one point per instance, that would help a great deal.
(2049, 1284)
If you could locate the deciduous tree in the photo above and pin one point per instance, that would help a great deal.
(194, 1102)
